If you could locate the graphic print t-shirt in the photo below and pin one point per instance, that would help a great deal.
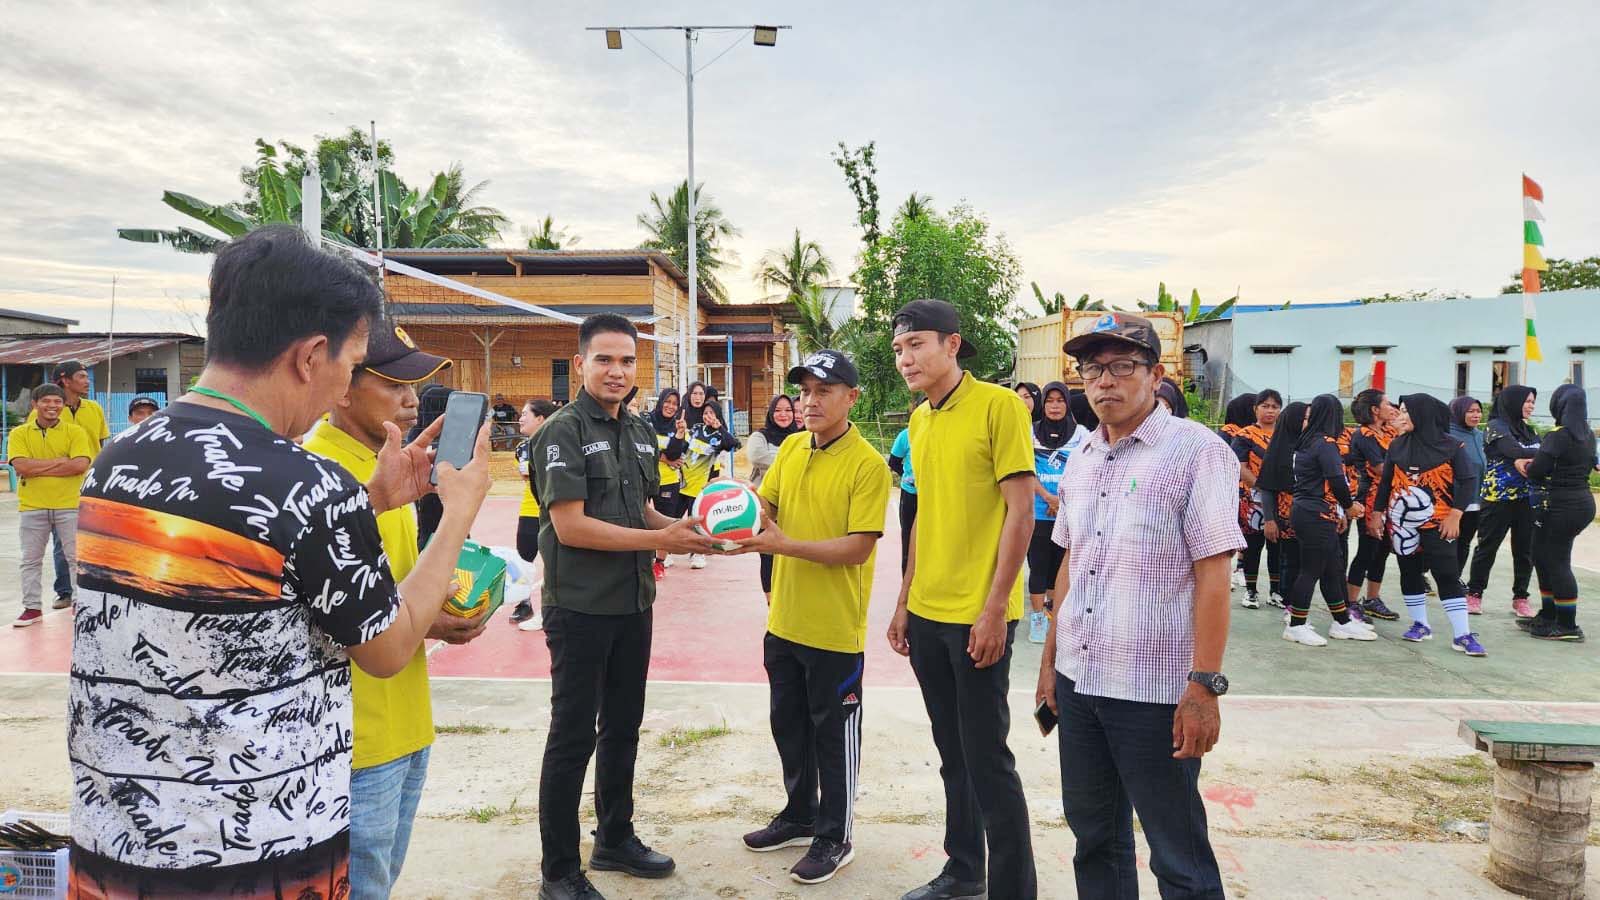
(223, 570)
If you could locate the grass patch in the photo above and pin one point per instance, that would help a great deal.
(1437, 793)
(688, 737)
(469, 729)
(483, 815)
(1317, 775)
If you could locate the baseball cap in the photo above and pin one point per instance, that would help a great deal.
(393, 355)
(66, 369)
(829, 366)
(933, 315)
(1119, 327)
(137, 402)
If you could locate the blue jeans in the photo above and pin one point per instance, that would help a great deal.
(1116, 758)
(383, 803)
(63, 583)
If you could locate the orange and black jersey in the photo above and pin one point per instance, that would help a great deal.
(1369, 447)
(1446, 486)
(1319, 481)
(1250, 446)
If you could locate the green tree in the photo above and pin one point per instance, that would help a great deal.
(815, 331)
(955, 257)
(1564, 275)
(549, 237)
(668, 225)
(861, 176)
(794, 268)
(916, 205)
(1058, 301)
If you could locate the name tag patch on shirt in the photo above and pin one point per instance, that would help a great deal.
(596, 447)
(645, 448)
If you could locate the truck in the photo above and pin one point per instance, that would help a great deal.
(1039, 356)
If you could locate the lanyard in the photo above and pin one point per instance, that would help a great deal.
(233, 401)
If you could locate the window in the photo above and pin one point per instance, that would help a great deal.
(150, 381)
(560, 383)
(1347, 377)
(1504, 373)
(1575, 373)
(1463, 377)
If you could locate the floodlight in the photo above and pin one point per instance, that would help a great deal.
(766, 35)
(613, 39)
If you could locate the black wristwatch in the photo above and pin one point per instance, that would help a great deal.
(1215, 682)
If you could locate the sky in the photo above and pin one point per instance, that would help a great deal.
(1292, 151)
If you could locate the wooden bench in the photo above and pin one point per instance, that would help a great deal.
(1543, 786)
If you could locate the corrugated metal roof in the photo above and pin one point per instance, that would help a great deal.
(44, 349)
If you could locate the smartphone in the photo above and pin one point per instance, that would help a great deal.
(1046, 717)
(464, 413)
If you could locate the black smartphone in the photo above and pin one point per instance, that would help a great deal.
(1046, 717)
(464, 413)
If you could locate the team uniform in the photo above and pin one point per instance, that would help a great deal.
(47, 504)
(1250, 447)
(91, 417)
(900, 464)
(1369, 446)
(528, 509)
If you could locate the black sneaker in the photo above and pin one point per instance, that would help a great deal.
(947, 888)
(1551, 630)
(822, 861)
(778, 834)
(1540, 619)
(523, 612)
(633, 857)
(1377, 609)
(573, 887)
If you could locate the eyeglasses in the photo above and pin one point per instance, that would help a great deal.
(1119, 368)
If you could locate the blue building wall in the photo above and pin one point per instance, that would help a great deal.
(1424, 344)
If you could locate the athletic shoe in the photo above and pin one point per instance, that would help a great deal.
(1351, 631)
(1287, 617)
(1522, 608)
(633, 857)
(1038, 626)
(822, 861)
(523, 612)
(1354, 609)
(658, 570)
(697, 561)
(1238, 578)
(1305, 634)
(1417, 632)
(1276, 599)
(1468, 644)
(533, 623)
(946, 887)
(1474, 604)
(1375, 608)
(1528, 623)
(1551, 630)
(778, 834)
(573, 887)
(62, 601)
(1250, 600)
(28, 617)
(666, 563)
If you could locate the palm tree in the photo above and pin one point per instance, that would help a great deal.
(815, 330)
(917, 206)
(795, 268)
(668, 225)
(549, 237)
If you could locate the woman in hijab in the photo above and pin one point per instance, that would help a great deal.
(1168, 394)
(1031, 398)
(763, 451)
(1422, 494)
(1369, 447)
(1504, 497)
(1562, 508)
(1082, 410)
(694, 405)
(1275, 485)
(1322, 508)
(1466, 414)
(672, 439)
(1250, 446)
(1055, 436)
(708, 439)
(1237, 416)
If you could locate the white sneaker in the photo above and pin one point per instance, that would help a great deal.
(535, 623)
(697, 561)
(1304, 634)
(666, 563)
(1238, 578)
(1276, 599)
(1352, 631)
(1250, 601)
(1286, 618)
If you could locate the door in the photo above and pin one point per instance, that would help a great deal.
(741, 389)
(560, 380)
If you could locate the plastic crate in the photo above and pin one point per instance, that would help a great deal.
(30, 874)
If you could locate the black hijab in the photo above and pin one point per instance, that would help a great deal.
(775, 434)
(691, 413)
(1277, 466)
(1458, 411)
(1052, 433)
(1241, 411)
(1508, 413)
(1327, 420)
(1083, 410)
(1569, 406)
(1168, 390)
(659, 420)
(1037, 395)
(1428, 443)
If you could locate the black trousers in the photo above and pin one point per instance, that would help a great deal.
(1555, 528)
(1321, 563)
(1253, 544)
(1290, 548)
(528, 537)
(1495, 520)
(766, 573)
(816, 723)
(1438, 556)
(968, 709)
(598, 666)
(1372, 557)
(1044, 558)
(908, 517)
(1469, 527)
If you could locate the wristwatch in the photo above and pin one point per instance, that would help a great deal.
(1215, 682)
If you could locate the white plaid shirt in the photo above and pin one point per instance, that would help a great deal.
(1134, 518)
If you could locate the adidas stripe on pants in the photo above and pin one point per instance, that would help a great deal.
(816, 724)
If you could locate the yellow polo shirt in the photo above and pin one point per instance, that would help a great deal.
(29, 441)
(961, 451)
(529, 509)
(88, 416)
(393, 716)
(821, 494)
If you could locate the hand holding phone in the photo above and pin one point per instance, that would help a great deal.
(464, 414)
(1046, 717)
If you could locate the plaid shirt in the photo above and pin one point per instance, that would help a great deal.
(1134, 518)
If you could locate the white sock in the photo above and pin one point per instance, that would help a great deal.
(1456, 609)
(1418, 608)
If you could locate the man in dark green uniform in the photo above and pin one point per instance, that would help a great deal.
(594, 469)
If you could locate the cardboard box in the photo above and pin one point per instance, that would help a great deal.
(481, 577)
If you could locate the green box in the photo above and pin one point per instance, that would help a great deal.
(482, 577)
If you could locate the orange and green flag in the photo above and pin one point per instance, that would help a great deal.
(1533, 261)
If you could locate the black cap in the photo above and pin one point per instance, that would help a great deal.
(137, 402)
(393, 355)
(933, 315)
(1119, 327)
(830, 366)
(67, 369)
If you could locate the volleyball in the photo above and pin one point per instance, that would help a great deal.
(729, 510)
(1409, 511)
